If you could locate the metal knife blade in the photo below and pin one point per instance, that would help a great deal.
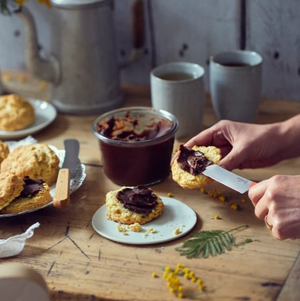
(71, 155)
(61, 197)
(228, 178)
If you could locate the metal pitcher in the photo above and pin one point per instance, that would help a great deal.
(83, 69)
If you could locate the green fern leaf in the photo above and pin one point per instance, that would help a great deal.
(205, 243)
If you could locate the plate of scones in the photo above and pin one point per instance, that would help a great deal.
(20, 117)
(137, 215)
(28, 175)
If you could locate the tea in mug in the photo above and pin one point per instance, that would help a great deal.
(176, 76)
(235, 64)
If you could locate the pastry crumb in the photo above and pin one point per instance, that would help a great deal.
(121, 228)
(176, 231)
(136, 227)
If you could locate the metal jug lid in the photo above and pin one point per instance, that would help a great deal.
(79, 3)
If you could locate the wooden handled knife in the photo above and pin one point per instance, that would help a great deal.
(61, 197)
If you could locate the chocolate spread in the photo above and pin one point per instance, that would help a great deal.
(31, 187)
(129, 128)
(135, 151)
(138, 199)
(192, 161)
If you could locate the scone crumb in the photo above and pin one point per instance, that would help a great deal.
(125, 233)
(222, 198)
(151, 230)
(136, 227)
(235, 207)
(121, 228)
(202, 190)
(176, 231)
(169, 195)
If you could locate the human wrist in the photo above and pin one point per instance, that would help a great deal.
(288, 137)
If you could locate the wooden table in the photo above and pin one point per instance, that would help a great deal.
(79, 264)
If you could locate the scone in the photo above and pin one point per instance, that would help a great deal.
(129, 205)
(33, 194)
(188, 166)
(37, 161)
(16, 113)
(10, 187)
(4, 151)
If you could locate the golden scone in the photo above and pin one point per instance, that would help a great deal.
(29, 198)
(139, 205)
(188, 181)
(16, 113)
(37, 161)
(10, 187)
(4, 151)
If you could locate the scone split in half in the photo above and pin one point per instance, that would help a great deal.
(19, 195)
(188, 166)
(36, 161)
(129, 205)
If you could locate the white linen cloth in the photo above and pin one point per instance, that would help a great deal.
(14, 245)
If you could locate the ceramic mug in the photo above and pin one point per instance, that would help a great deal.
(235, 84)
(179, 89)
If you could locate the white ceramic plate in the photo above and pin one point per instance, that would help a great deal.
(176, 215)
(45, 113)
(75, 183)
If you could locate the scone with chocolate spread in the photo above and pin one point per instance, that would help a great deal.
(37, 161)
(188, 166)
(28, 194)
(16, 113)
(10, 187)
(129, 205)
(4, 151)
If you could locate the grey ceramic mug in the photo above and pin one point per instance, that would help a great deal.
(235, 84)
(179, 89)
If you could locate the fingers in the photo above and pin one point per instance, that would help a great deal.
(258, 199)
(202, 139)
(214, 135)
(265, 209)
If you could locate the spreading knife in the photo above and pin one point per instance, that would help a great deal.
(228, 178)
(61, 197)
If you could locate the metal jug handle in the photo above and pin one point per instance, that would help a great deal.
(137, 32)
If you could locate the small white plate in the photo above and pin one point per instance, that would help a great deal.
(45, 113)
(176, 215)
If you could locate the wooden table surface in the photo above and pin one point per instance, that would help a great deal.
(79, 264)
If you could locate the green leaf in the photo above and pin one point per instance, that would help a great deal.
(205, 243)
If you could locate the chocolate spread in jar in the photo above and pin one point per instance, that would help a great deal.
(31, 187)
(131, 128)
(192, 161)
(138, 199)
(132, 161)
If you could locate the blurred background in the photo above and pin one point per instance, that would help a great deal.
(188, 30)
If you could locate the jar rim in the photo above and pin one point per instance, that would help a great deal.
(161, 113)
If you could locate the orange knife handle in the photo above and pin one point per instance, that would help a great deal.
(252, 184)
(61, 197)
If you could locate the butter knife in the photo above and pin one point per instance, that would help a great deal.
(228, 178)
(61, 197)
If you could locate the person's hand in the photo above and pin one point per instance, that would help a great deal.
(277, 200)
(243, 145)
